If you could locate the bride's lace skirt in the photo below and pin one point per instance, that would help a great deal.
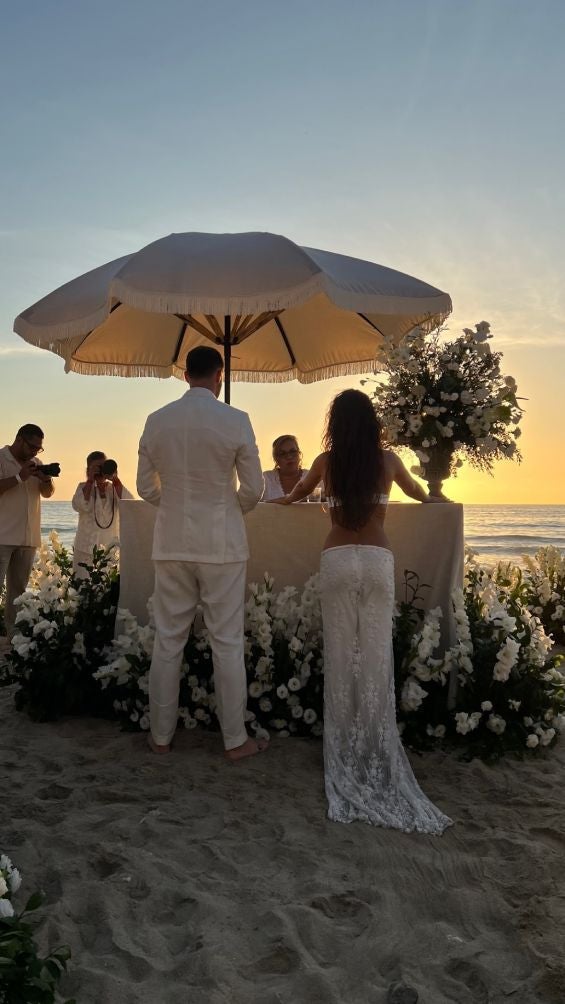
(367, 773)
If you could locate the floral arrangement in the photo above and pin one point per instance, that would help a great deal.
(63, 626)
(544, 589)
(497, 689)
(24, 975)
(283, 650)
(448, 399)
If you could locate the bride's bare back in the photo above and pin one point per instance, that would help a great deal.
(372, 533)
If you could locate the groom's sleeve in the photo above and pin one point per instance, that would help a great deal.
(248, 467)
(148, 480)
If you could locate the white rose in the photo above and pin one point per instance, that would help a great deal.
(282, 692)
(3, 886)
(496, 724)
(310, 716)
(547, 737)
(6, 908)
(532, 741)
(486, 706)
(294, 683)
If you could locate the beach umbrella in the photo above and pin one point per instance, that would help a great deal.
(278, 311)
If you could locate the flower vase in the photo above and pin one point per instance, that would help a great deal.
(437, 470)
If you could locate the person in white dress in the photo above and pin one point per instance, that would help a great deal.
(97, 501)
(367, 773)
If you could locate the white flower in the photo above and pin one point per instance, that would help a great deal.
(3, 886)
(265, 704)
(438, 732)
(532, 741)
(282, 692)
(486, 706)
(412, 695)
(190, 723)
(255, 689)
(515, 705)
(496, 724)
(6, 908)
(294, 683)
(297, 711)
(262, 734)
(144, 722)
(310, 716)
(506, 659)
(547, 737)
(467, 723)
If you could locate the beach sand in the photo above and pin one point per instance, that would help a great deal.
(184, 878)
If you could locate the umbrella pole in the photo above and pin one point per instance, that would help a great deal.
(227, 357)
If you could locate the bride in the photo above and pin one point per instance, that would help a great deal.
(367, 773)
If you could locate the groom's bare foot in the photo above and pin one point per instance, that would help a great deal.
(156, 748)
(249, 748)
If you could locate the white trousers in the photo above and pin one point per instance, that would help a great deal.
(16, 564)
(220, 589)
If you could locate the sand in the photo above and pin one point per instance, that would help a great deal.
(184, 878)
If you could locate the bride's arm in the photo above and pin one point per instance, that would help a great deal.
(307, 484)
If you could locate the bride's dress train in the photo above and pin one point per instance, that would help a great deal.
(367, 773)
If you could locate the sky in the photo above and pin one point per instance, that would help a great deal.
(424, 135)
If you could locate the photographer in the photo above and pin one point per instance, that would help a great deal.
(22, 485)
(97, 502)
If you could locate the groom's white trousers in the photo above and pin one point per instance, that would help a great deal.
(220, 589)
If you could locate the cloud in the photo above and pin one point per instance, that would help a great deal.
(19, 350)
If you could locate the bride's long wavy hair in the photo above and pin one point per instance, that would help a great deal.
(355, 469)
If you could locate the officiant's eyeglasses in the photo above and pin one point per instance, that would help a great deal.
(283, 454)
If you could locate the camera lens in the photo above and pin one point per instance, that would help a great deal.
(109, 468)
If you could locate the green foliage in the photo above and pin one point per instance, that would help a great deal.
(26, 977)
(63, 625)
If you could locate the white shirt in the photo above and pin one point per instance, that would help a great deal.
(20, 507)
(273, 487)
(98, 518)
(191, 454)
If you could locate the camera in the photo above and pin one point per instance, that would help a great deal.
(108, 468)
(49, 470)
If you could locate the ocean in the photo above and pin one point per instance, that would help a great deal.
(496, 532)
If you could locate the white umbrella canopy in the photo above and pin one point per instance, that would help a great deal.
(278, 311)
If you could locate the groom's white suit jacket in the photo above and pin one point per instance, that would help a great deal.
(189, 454)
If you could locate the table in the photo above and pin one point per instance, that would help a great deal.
(286, 542)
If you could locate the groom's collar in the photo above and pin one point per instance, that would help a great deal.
(200, 392)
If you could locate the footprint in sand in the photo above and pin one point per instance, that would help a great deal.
(54, 792)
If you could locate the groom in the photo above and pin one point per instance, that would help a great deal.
(189, 455)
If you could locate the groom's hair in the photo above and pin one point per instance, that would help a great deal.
(203, 361)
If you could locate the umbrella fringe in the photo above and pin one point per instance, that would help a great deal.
(170, 303)
(67, 331)
(311, 376)
(237, 376)
(121, 369)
